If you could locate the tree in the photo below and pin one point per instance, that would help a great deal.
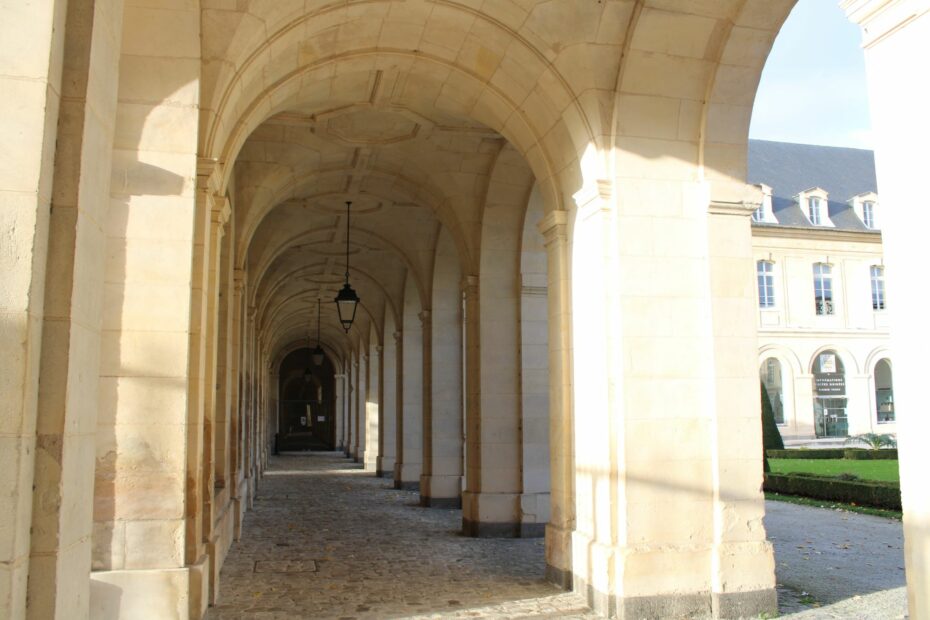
(771, 437)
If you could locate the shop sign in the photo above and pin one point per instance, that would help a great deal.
(833, 384)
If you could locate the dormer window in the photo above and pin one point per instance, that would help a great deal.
(813, 203)
(815, 210)
(764, 213)
(866, 207)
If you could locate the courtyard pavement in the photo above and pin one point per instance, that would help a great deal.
(328, 540)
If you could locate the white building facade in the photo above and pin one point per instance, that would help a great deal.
(823, 322)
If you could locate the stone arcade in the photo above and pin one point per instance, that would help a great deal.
(551, 241)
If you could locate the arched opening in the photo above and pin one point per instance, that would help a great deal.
(306, 416)
(884, 392)
(829, 389)
(771, 375)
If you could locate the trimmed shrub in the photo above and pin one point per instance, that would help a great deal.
(859, 454)
(821, 453)
(854, 454)
(771, 437)
(868, 493)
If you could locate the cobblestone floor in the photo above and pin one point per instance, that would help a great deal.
(327, 540)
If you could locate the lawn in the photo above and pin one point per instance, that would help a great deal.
(886, 471)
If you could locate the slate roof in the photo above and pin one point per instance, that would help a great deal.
(790, 168)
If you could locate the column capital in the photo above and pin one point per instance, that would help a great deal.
(209, 176)
(377, 349)
(398, 336)
(594, 196)
(424, 317)
(220, 212)
(554, 226)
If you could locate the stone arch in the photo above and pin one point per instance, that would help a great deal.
(550, 93)
(850, 363)
(786, 355)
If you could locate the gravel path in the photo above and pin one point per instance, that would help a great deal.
(836, 564)
(327, 540)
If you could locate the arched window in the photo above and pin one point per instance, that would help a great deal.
(884, 392)
(770, 373)
(829, 396)
(766, 279)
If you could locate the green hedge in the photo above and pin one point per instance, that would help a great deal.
(869, 493)
(860, 454)
(857, 454)
(822, 453)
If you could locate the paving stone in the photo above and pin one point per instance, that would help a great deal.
(328, 540)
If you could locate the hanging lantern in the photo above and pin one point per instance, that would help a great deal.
(347, 300)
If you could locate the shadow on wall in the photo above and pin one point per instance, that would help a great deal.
(143, 435)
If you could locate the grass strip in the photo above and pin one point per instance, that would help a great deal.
(882, 471)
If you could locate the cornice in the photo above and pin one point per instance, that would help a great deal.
(819, 234)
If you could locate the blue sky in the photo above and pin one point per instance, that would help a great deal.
(813, 88)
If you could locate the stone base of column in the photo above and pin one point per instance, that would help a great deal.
(441, 491)
(689, 599)
(559, 556)
(218, 548)
(371, 463)
(385, 467)
(491, 515)
(150, 594)
(407, 476)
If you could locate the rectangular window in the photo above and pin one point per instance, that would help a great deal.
(878, 287)
(823, 289)
(868, 214)
(813, 208)
(766, 278)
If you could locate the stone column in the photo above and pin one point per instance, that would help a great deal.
(236, 402)
(219, 216)
(62, 522)
(339, 410)
(491, 504)
(896, 35)
(441, 483)
(373, 408)
(554, 228)
(148, 536)
(409, 464)
(387, 438)
(743, 565)
(667, 468)
(354, 410)
(31, 44)
(361, 406)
